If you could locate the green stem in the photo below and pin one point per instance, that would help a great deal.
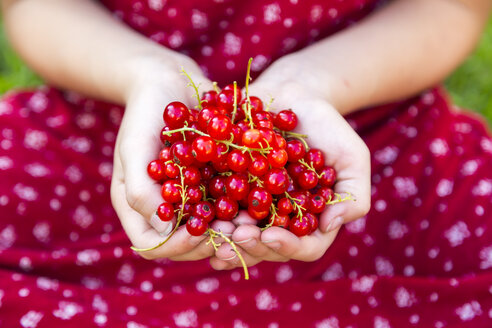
(192, 84)
(234, 111)
(214, 234)
(248, 101)
(296, 206)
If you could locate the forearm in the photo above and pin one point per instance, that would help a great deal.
(399, 51)
(77, 45)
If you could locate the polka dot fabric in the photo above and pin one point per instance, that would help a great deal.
(422, 257)
(221, 35)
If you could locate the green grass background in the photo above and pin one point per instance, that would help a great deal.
(470, 85)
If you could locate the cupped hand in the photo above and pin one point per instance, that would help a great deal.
(344, 150)
(135, 196)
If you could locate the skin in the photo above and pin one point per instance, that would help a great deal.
(365, 65)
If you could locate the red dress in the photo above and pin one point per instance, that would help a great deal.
(421, 257)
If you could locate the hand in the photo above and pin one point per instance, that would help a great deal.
(135, 196)
(344, 151)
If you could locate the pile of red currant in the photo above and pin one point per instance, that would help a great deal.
(232, 153)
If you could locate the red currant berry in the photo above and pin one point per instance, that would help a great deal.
(205, 210)
(226, 208)
(204, 149)
(209, 98)
(230, 87)
(238, 161)
(187, 209)
(182, 154)
(221, 166)
(315, 158)
(165, 154)
(243, 125)
(237, 186)
(295, 149)
(256, 104)
(259, 199)
(165, 212)
(220, 127)
(204, 117)
(171, 191)
(285, 206)
(196, 226)
(191, 135)
(286, 120)
(194, 194)
(156, 170)
(176, 114)
(280, 220)
(277, 158)
(313, 222)
(300, 226)
(327, 193)
(259, 165)
(295, 169)
(207, 172)
(258, 215)
(268, 137)
(191, 176)
(317, 204)
(172, 171)
(237, 134)
(251, 138)
(300, 199)
(327, 177)
(220, 161)
(307, 180)
(194, 115)
(263, 116)
(216, 186)
(280, 142)
(276, 181)
(225, 99)
(169, 139)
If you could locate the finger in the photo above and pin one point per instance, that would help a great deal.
(141, 233)
(244, 218)
(163, 228)
(224, 227)
(226, 258)
(349, 157)
(139, 145)
(308, 248)
(248, 238)
(205, 249)
(202, 251)
(353, 183)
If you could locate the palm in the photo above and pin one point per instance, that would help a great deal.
(343, 150)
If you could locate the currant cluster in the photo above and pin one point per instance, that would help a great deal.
(233, 153)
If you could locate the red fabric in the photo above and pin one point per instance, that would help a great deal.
(421, 257)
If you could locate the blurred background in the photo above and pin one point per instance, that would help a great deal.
(470, 85)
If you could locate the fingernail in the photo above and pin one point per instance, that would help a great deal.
(243, 241)
(334, 224)
(163, 228)
(248, 243)
(230, 258)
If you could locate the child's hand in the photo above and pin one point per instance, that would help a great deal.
(343, 149)
(134, 194)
